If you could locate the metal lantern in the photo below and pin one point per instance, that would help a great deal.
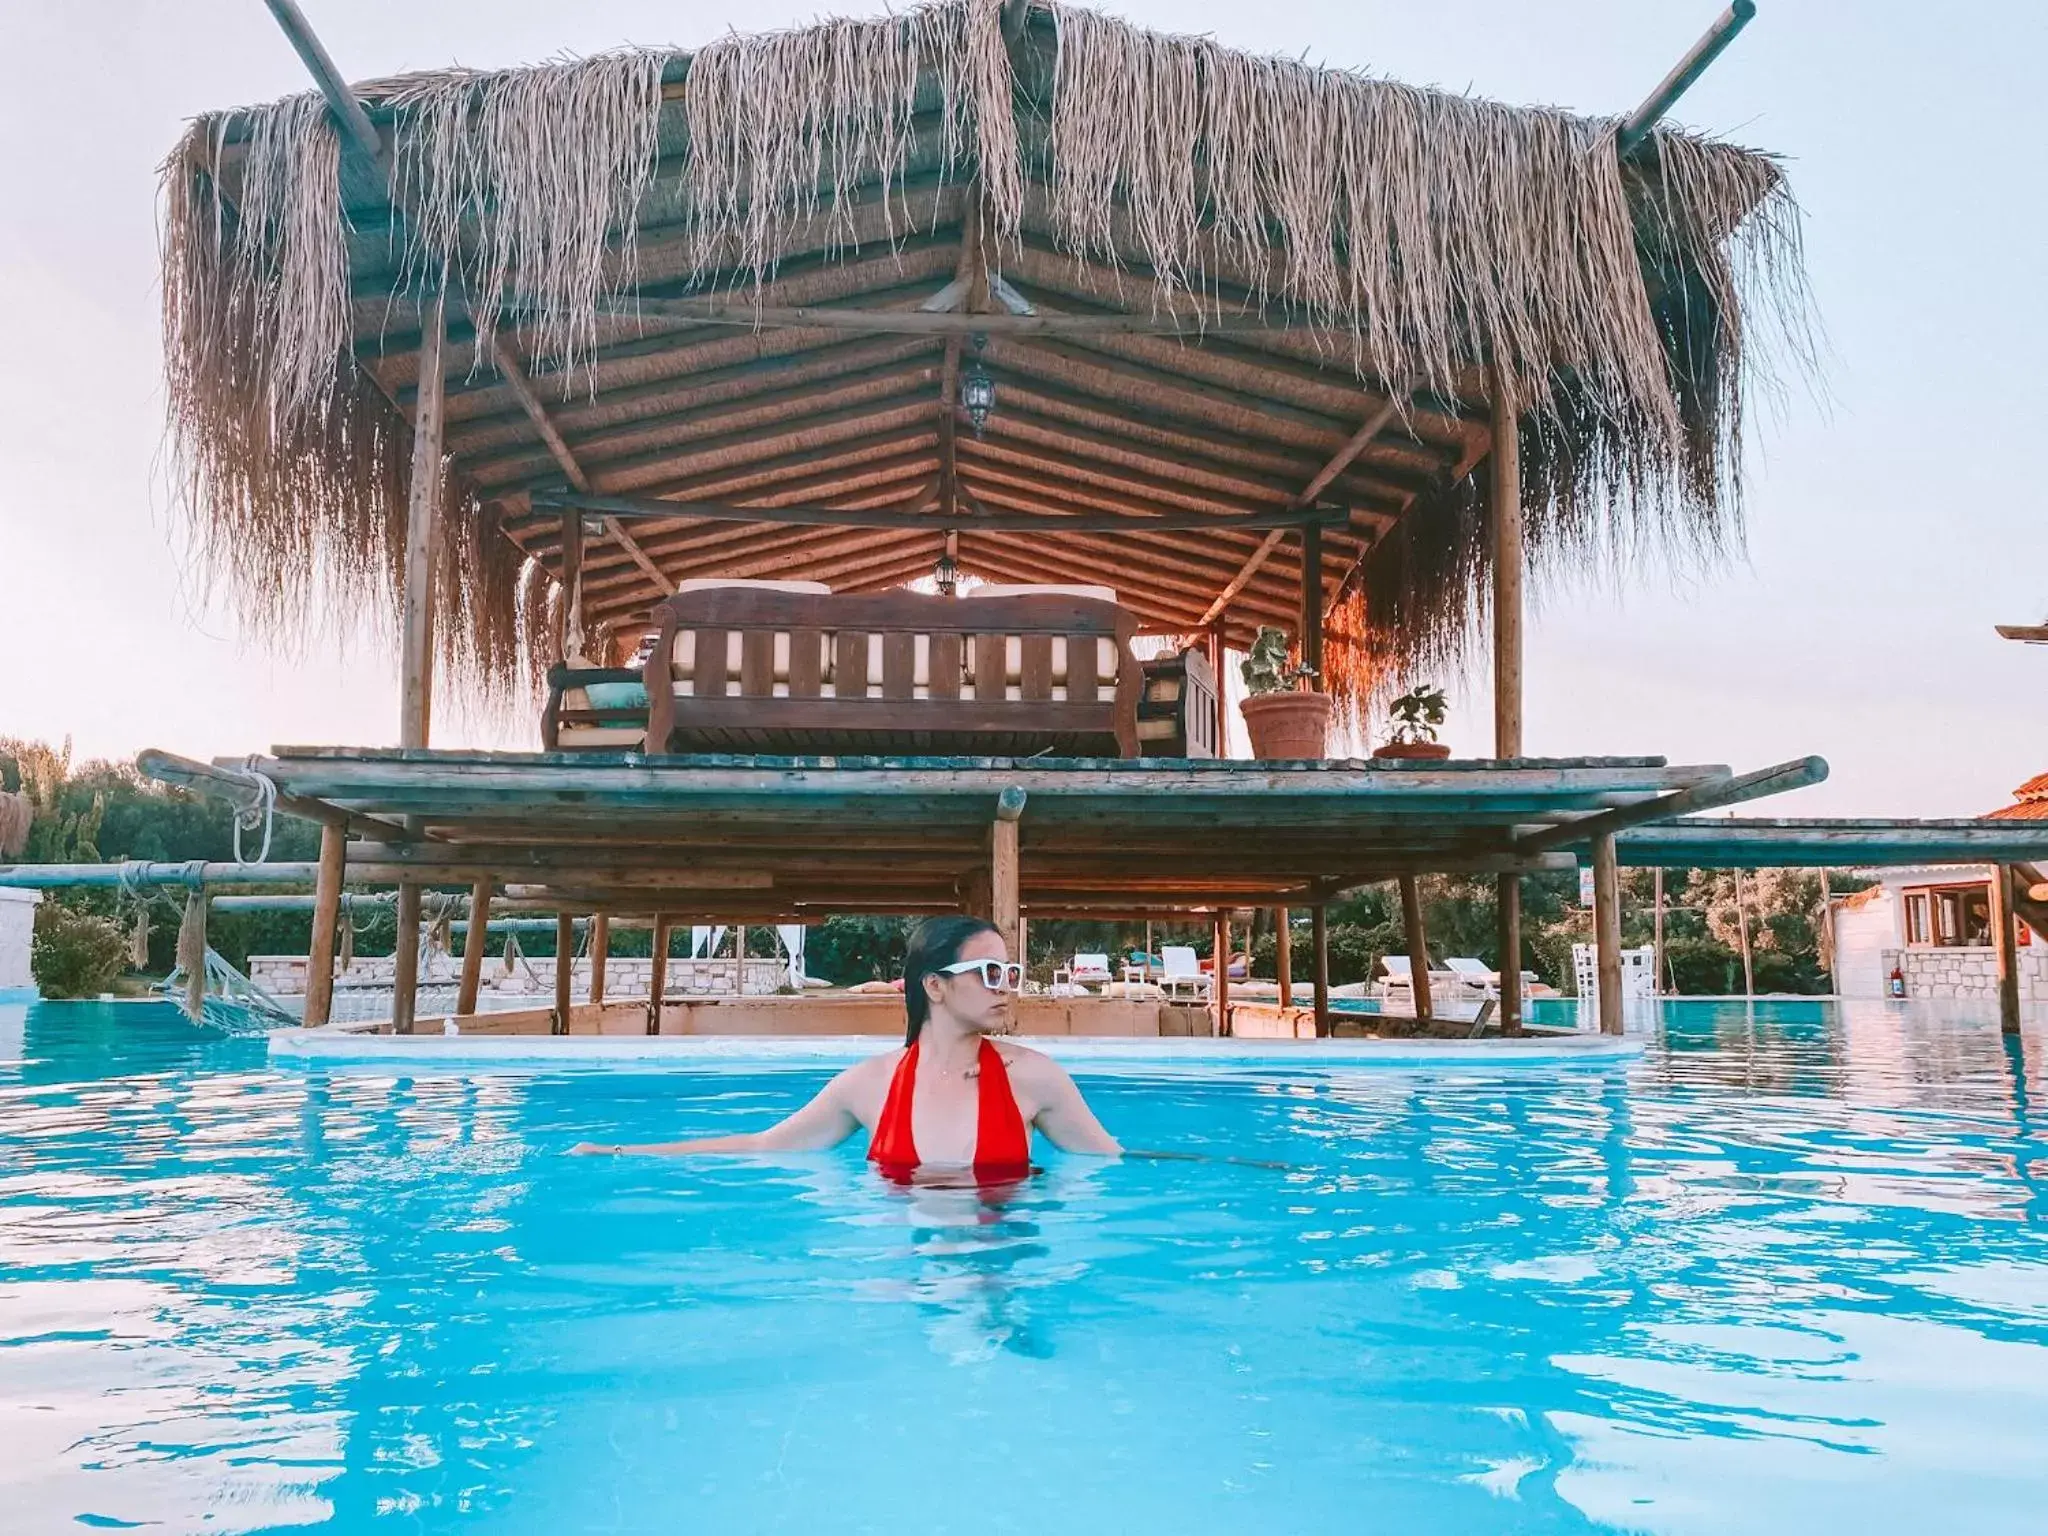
(946, 574)
(977, 389)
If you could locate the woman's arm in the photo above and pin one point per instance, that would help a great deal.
(824, 1122)
(1066, 1119)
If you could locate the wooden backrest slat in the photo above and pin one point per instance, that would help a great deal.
(946, 666)
(899, 665)
(1035, 676)
(991, 667)
(757, 663)
(1081, 678)
(708, 672)
(850, 665)
(806, 663)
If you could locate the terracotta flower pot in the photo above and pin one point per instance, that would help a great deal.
(1287, 727)
(1428, 751)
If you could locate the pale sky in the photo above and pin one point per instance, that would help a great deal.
(1891, 527)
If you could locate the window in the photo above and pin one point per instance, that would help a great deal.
(1916, 918)
(1949, 916)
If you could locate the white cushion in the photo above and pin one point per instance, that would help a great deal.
(705, 583)
(1041, 589)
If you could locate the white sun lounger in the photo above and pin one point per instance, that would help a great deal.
(1181, 977)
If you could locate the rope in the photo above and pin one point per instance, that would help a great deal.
(263, 812)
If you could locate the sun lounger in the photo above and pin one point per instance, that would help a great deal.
(1181, 977)
(1090, 970)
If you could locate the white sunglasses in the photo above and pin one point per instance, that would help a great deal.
(996, 975)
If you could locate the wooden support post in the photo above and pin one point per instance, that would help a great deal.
(405, 960)
(2005, 940)
(600, 952)
(1005, 893)
(739, 959)
(1311, 636)
(473, 942)
(1509, 897)
(1742, 932)
(1607, 931)
(565, 969)
(1657, 933)
(1219, 987)
(1827, 927)
(1320, 935)
(569, 620)
(1283, 956)
(326, 924)
(422, 536)
(657, 981)
(1215, 643)
(1418, 947)
(1506, 497)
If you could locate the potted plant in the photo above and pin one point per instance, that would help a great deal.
(1417, 714)
(1284, 715)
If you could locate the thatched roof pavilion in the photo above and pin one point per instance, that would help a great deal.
(1207, 287)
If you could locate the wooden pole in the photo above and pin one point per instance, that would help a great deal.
(739, 958)
(1508, 564)
(600, 952)
(473, 941)
(1283, 956)
(1657, 938)
(565, 965)
(1216, 669)
(1005, 895)
(657, 981)
(1827, 928)
(1220, 989)
(405, 960)
(1320, 937)
(2005, 938)
(326, 924)
(1508, 895)
(1607, 931)
(1742, 930)
(569, 621)
(422, 534)
(1418, 947)
(1311, 637)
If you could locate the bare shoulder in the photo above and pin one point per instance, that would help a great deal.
(1028, 1066)
(872, 1069)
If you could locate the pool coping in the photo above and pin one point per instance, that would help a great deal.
(335, 1047)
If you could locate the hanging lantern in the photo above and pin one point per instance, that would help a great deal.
(946, 574)
(977, 389)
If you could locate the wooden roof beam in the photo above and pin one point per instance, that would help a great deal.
(1353, 447)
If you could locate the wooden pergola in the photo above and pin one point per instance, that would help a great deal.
(924, 360)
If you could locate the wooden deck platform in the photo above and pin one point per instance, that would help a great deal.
(760, 838)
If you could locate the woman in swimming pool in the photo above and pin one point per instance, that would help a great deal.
(952, 1098)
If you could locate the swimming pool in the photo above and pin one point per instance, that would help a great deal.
(1785, 1271)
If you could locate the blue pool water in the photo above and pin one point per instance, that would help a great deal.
(1785, 1271)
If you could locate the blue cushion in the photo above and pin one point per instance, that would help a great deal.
(616, 695)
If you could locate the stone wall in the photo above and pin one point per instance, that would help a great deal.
(624, 976)
(1967, 972)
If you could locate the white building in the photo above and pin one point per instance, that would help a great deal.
(17, 930)
(1932, 924)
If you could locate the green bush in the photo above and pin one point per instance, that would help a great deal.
(76, 954)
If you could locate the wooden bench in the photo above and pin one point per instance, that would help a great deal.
(737, 669)
(1177, 707)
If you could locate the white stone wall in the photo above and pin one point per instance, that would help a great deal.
(1968, 972)
(17, 932)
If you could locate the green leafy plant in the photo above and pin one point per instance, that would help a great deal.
(76, 954)
(1417, 714)
(1265, 668)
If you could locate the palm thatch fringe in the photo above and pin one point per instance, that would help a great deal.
(1628, 304)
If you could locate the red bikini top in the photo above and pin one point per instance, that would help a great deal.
(1002, 1144)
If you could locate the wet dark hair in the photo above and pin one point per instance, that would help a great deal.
(935, 942)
